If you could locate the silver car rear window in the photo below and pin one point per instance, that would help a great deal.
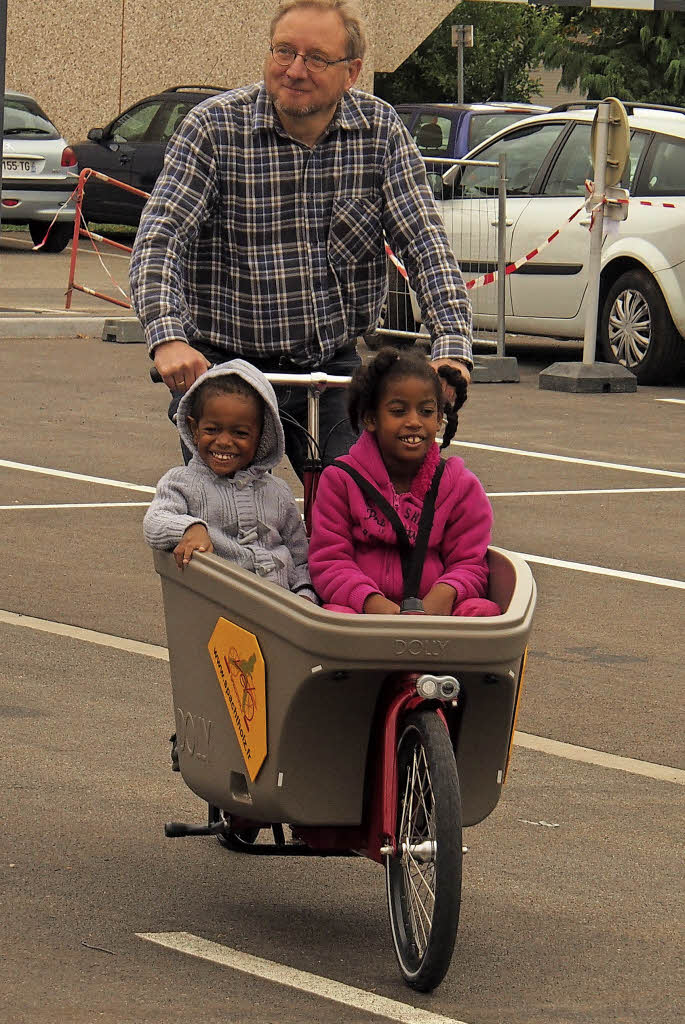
(23, 118)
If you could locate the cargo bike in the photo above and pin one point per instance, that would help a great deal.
(344, 735)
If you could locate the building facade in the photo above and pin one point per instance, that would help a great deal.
(85, 63)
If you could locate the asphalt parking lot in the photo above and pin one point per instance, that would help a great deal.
(572, 902)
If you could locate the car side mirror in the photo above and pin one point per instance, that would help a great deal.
(96, 134)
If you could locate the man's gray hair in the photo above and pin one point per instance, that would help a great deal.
(349, 13)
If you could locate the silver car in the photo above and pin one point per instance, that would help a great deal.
(38, 173)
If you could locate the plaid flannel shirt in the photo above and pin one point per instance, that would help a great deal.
(263, 247)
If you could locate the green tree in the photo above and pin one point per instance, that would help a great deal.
(508, 40)
(635, 55)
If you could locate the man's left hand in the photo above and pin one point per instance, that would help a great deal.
(457, 365)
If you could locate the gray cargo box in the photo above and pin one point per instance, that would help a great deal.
(323, 674)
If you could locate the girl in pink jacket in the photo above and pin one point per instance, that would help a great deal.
(355, 554)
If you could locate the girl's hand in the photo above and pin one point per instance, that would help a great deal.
(195, 538)
(376, 604)
(439, 600)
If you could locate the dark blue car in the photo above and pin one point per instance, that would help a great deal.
(450, 130)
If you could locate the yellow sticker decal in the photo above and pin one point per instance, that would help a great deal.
(239, 667)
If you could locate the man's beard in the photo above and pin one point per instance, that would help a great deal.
(283, 108)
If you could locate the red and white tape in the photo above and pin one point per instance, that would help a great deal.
(479, 282)
(488, 278)
(491, 277)
(648, 202)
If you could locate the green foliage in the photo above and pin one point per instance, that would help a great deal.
(508, 41)
(635, 55)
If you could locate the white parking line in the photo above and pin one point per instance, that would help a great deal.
(75, 476)
(567, 458)
(303, 981)
(601, 570)
(593, 490)
(90, 636)
(4, 463)
(82, 504)
(675, 401)
(661, 772)
(569, 751)
(540, 559)
(572, 493)
(107, 252)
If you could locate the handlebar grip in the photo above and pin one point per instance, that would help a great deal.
(155, 375)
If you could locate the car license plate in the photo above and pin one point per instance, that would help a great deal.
(13, 166)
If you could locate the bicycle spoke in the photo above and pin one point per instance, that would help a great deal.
(421, 875)
(423, 893)
(405, 809)
(418, 902)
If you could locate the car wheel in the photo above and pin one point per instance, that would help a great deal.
(637, 331)
(397, 314)
(58, 239)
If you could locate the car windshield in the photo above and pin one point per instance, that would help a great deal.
(525, 149)
(23, 116)
(484, 125)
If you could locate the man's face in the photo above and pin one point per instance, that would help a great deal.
(295, 91)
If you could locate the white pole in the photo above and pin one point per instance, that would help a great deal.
(501, 252)
(596, 232)
(3, 44)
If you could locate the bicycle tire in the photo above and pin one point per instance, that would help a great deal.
(424, 896)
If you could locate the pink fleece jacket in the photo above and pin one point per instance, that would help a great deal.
(353, 550)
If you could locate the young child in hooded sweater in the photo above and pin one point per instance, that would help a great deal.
(354, 556)
(225, 500)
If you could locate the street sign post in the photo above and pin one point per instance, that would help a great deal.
(462, 35)
(610, 149)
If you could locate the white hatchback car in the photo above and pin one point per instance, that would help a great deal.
(642, 289)
(38, 171)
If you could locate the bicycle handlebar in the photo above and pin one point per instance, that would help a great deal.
(303, 379)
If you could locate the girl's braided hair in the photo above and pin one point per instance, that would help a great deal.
(389, 364)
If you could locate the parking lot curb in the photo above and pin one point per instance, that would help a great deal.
(39, 326)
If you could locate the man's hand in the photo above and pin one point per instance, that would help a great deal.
(457, 365)
(179, 364)
(376, 604)
(439, 600)
(196, 538)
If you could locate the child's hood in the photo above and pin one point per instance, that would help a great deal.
(271, 447)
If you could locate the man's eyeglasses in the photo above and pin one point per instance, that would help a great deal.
(285, 56)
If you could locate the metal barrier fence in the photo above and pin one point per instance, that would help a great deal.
(476, 228)
(81, 230)
(475, 225)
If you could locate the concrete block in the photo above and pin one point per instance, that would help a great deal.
(588, 378)
(124, 331)
(495, 370)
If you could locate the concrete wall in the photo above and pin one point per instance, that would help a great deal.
(84, 62)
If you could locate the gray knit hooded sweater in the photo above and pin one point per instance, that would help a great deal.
(251, 517)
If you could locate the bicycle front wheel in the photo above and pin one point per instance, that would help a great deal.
(423, 879)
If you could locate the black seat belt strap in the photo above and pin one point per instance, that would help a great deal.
(413, 580)
(412, 558)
